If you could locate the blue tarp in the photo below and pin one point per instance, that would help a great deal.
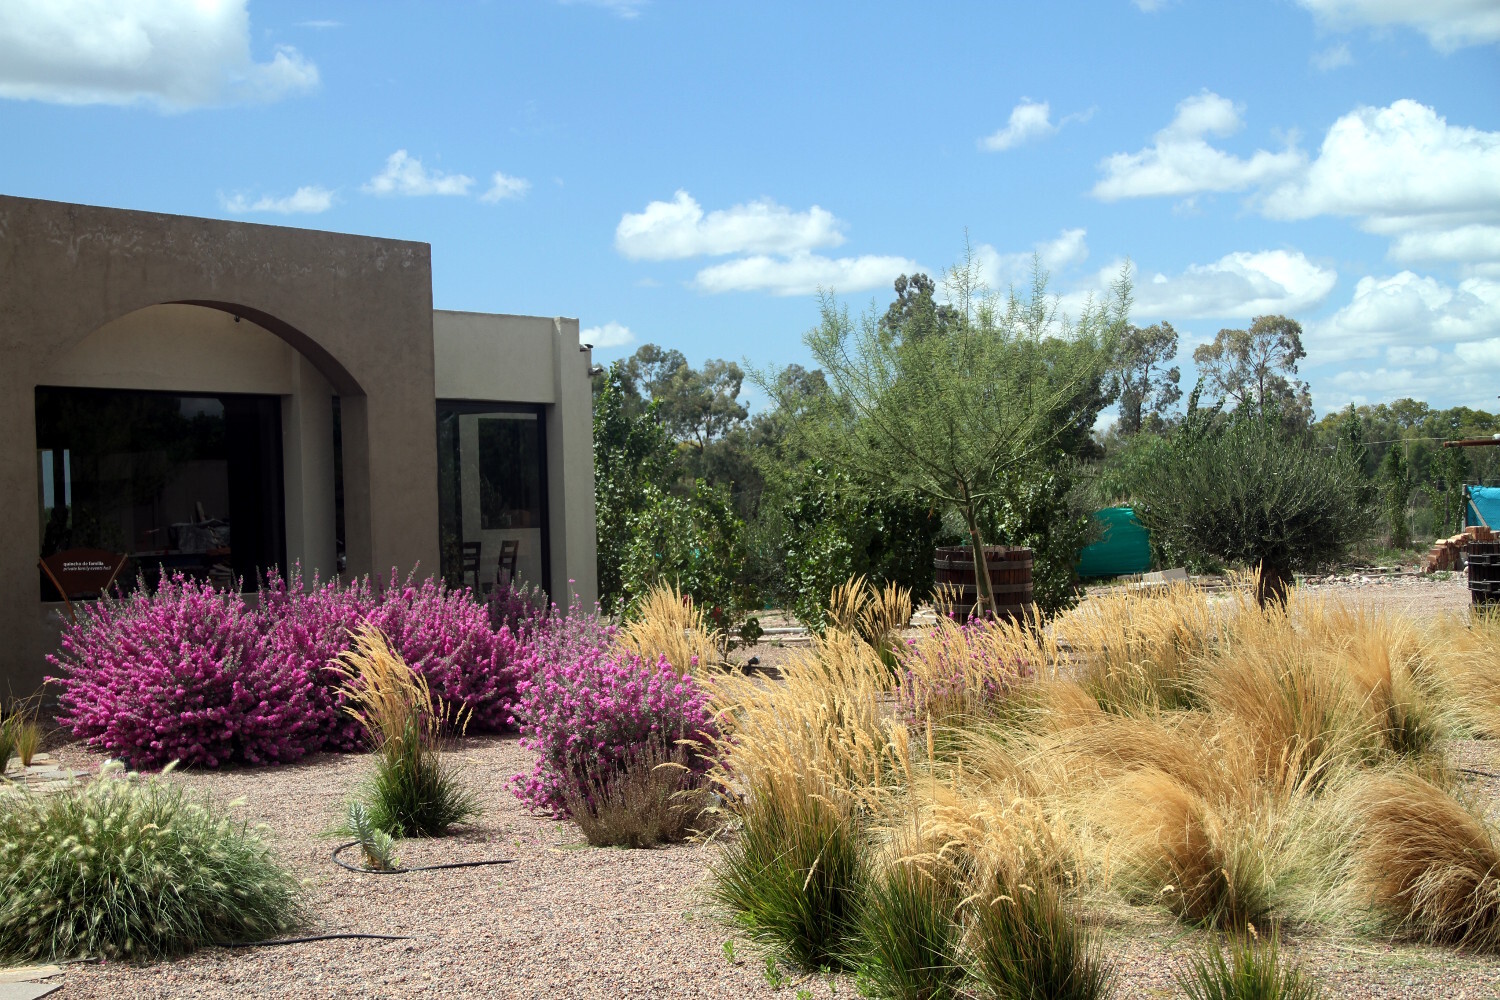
(1485, 501)
(1123, 546)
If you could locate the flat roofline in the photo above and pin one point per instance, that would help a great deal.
(210, 219)
(475, 312)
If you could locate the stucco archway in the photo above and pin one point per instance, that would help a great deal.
(358, 309)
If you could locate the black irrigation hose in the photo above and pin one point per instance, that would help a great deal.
(402, 871)
(315, 937)
(1482, 774)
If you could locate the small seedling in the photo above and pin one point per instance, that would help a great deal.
(728, 949)
(774, 976)
(804, 994)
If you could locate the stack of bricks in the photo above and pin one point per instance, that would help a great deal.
(1448, 552)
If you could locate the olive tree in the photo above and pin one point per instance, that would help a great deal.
(1247, 489)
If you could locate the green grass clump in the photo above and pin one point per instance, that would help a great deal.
(414, 792)
(118, 869)
(908, 935)
(7, 740)
(1027, 943)
(795, 878)
(1252, 969)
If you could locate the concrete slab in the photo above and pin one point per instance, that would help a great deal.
(26, 973)
(27, 991)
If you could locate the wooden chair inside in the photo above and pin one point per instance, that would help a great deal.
(505, 569)
(471, 552)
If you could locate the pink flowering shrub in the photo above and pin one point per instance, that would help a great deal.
(199, 675)
(307, 628)
(445, 636)
(182, 674)
(589, 715)
(953, 672)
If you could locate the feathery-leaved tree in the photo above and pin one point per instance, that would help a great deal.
(949, 411)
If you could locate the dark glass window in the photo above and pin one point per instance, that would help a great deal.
(492, 494)
(174, 481)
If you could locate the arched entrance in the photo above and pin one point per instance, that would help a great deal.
(354, 313)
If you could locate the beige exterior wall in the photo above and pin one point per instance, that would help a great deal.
(181, 348)
(484, 357)
(94, 297)
(357, 310)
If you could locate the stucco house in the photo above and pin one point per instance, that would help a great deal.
(217, 398)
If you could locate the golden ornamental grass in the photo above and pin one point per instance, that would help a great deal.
(1234, 764)
(670, 626)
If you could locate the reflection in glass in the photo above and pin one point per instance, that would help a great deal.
(492, 495)
(176, 482)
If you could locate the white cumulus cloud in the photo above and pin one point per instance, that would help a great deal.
(1030, 120)
(308, 200)
(503, 186)
(1237, 286)
(1182, 162)
(1448, 24)
(678, 229)
(1001, 270)
(1333, 57)
(1469, 243)
(1406, 310)
(405, 175)
(803, 273)
(609, 335)
(176, 54)
(1395, 164)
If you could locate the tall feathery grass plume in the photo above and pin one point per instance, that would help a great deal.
(1426, 864)
(796, 876)
(957, 675)
(134, 870)
(908, 933)
(1461, 654)
(414, 791)
(874, 614)
(670, 625)
(1141, 649)
(827, 719)
(1025, 939)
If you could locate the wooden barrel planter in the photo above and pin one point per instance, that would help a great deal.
(1010, 578)
(1484, 572)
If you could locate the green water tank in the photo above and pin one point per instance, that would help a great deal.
(1123, 546)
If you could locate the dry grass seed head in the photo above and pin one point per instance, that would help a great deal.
(669, 625)
(1429, 865)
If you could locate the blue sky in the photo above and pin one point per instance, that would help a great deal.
(689, 173)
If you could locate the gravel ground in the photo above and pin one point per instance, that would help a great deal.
(563, 921)
(566, 920)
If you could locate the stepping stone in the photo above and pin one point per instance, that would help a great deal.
(24, 973)
(27, 991)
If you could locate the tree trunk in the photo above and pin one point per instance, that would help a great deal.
(982, 587)
(1272, 584)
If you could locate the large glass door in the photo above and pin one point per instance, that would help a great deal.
(177, 482)
(492, 495)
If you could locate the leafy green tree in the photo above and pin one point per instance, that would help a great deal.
(1249, 490)
(832, 529)
(1395, 494)
(1141, 379)
(949, 418)
(634, 464)
(696, 542)
(1258, 366)
(1449, 472)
